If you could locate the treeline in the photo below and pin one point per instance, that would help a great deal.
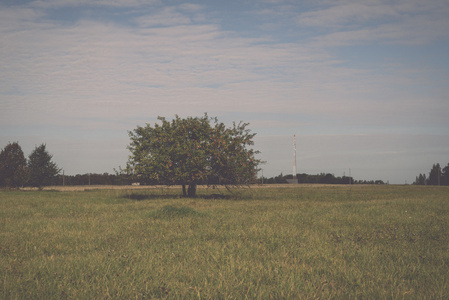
(437, 176)
(323, 178)
(39, 170)
(92, 179)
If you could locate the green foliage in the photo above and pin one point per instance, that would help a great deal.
(434, 175)
(13, 169)
(294, 242)
(42, 169)
(93, 179)
(192, 151)
(420, 179)
(324, 178)
(445, 175)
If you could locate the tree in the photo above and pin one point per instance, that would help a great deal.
(192, 151)
(445, 175)
(420, 180)
(13, 169)
(42, 169)
(434, 175)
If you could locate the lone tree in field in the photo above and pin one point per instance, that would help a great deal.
(42, 169)
(13, 169)
(193, 151)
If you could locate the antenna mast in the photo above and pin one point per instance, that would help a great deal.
(294, 157)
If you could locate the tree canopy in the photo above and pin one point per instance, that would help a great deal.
(192, 151)
(42, 169)
(13, 171)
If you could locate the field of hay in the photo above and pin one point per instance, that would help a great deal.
(289, 242)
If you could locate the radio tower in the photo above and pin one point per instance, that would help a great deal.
(294, 159)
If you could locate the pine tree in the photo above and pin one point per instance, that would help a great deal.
(434, 175)
(13, 168)
(42, 169)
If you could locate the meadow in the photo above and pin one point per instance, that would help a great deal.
(278, 242)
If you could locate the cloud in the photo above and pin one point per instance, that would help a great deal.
(343, 14)
(190, 7)
(416, 31)
(118, 71)
(82, 3)
(168, 16)
(97, 65)
(403, 22)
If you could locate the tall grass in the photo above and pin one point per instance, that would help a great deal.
(284, 242)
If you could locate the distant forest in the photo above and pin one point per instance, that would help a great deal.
(323, 178)
(122, 179)
(437, 176)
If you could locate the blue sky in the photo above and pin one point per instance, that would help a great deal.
(364, 84)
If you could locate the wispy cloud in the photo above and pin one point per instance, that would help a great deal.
(403, 22)
(93, 3)
(342, 15)
(168, 16)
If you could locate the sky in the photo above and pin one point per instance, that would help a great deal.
(364, 85)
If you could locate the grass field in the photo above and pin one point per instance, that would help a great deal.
(306, 242)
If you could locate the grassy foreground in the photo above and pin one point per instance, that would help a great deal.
(276, 242)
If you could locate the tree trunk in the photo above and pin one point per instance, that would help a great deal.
(184, 190)
(191, 191)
